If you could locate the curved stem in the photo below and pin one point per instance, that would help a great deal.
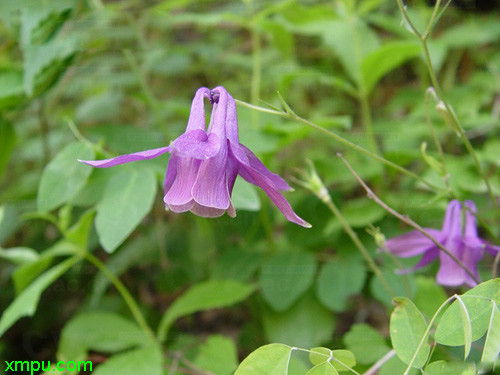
(127, 297)
(343, 141)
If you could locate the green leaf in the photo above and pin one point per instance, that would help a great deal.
(386, 58)
(407, 328)
(447, 368)
(338, 280)
(319, 355)
(466, 327)
(85, 332)
(285, 277)
(362, 212)
(19, 255)
(204, 296)
(366, 343)
(64, 176)
(127, 199)
(11, 90)
(312, 323)
(492, 342)
(429, 295)
(402, 285)
(245, 196)
(78, 234)
(25, 304)
(343, 360)
(323, 369)
(218, 354)
(148, 360)
(450, 328)
(269, 359)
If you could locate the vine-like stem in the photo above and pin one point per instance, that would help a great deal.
(343, 141)
(127, 297)
(452, 116)
(374, 369)
(371, 195)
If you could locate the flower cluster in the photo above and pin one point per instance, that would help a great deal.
(205, 163)
(460, 240)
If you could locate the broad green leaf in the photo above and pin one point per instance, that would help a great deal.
(147, 360)
(343, 360)
(269, 359)
(85, 332)
(447, 368)
(325, 368)
(402, 285)
(466, 327)
(236, 265)
(492, 343)
(26, 303)
(64, 176)
(245, 196)
(7, 141)
(338, 280)
(285, 277)
(366, 343)
(407, 328)
(218, 354)
(127, 199)
(78, 234)
(19, 255)
(204, 296)
(450, 328)
(386, 58)
(312, 323)
(319, 355)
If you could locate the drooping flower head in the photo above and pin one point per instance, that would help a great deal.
(460, 240)
(205, 163)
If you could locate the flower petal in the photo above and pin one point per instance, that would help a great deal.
(142, 155)
(210, 188)
(196, 144)
(204, 211)
(178, 209)
(218, 119)
(427, 258)
(232, 121)
(450, 273)
(413, 243)
(255, 177)
(452, 220)
(197, 113)
(492, 249)
(179, 192)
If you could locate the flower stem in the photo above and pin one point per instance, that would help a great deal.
(127, 297)
(453, 117)
(345, 142)
(371, 195)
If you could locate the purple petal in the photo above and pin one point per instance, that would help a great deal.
(196, 144)
(470, 220)
(171, 172)
(178, 209)
(179, 192)
(210, 188)
(204, 211)
(450, 273)
(452, 220)
(471, 257)
(218, 125)
(142, 155)
(257, 178)
(413, 243)
(427, 258)
(492, 249)
(197, 113)
(246, 157)
(232, 121)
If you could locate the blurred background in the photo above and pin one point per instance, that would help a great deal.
(122, 74)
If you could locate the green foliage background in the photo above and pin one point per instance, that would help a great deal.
(93, 79)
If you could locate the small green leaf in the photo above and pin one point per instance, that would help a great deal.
(466, 326)
(447, 368)
(19, 255)
(319, 355)
(492, 342)
(64, 176)
(386, 58)
(450, 329)
(11, 91)
(269, 359)
(407, 327)
(85, 332)
(343, 360)
(7, 141)
(147, 360)
(325, 368)
(429, 295)
(25, 304)
(127, 199)
(338, 280)
(78, 234)
(285, 277)
(431, 161)
(366, 343)
(204, 296)
(218, 354)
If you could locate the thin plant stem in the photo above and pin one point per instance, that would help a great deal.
(127, 297)
(343, 141)
(371, 195)
(375, 367)
(453, 117)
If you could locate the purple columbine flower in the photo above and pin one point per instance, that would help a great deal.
(462, 241)
(204, 163)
